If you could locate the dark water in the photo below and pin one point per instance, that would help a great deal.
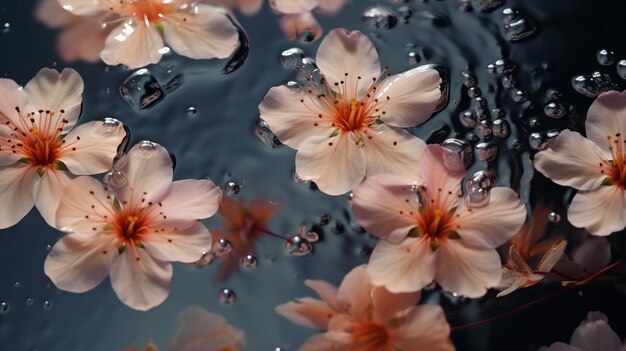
(218, 141)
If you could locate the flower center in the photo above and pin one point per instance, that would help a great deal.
(616, 168)
(143, 10)
(370, 336)
(130, 226)
(436, 220)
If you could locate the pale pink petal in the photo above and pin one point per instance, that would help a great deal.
(200, 330)
(606, 117)
(517, 262)
(293, 25)
(7, 157)
(321, 343)
(148, 170)
(330, 7)
(327, 292)
(387, 305)
(559, 346)
(140, 281)
(572, 160)
(191, 199)
(442, 171)
(48, 191)
(335, 164)
(425, 328)
(386, 206)
(511, 280)
(83, 7)
(596, 335)
(54, 91)
(601, 211)
(16, 193)
(593, 255)
(201, 32)
(492, 225)
(250, 7)
(183, 245)
(467, 271)
(82, 40)
(405, 267)
(292, 116)
(307, 312)
(90, 147)
(355, 291)
(134, 44)
(552, 257)
(293, 6)
(50, 13)
(393, 150)
(413, 96)
(84, 206)
(342, 52)
(78, 262)
(12, 96)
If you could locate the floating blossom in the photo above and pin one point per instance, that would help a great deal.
(139, 30)
(595, 166)
(131, 232)
(247, 7)
(360, 316)
(593, 334)
(41, 150)
(350, 126)
(429, 234)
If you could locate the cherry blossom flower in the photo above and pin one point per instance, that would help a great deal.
(595, 166)
(360, 316)
(41, 150)
(427, 233)
(139, 29)
(593, 334)
(247, 7)
(351, 126)
(131, 232)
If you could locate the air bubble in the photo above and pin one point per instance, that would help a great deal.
(508, 82)
(484, 128)
(554, 217)
(468, 119)
(474, 92)
(554, 110)
(46, 304)
(379, 18)
(621, 69)
(413, 58)
(520, 96)
(501, 128)
(263, 132)
(292, 58)
(462, 148)
(249, 261)
(29, 301)
(594, 84)
(227, 296)
(541, 141)
(141, 90)
(4, 307)
(605, 57)
(223, 248)
(232, 188)
(298, 246)
(304, 71)
(115, 178)
(48, 247)
(486, 151)
(468, 79)
(17, 284)
(191, 111)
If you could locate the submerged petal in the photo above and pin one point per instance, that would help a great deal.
(82, 40)
(601, 211)
(293, 6)
(133, 44)
(198, 329)
(294, 25)
(425, 328)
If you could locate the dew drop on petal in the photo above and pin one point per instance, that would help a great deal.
(594, 84)
(541, 141)
(486, 151)
(109, 124)
(146, 148)
(554, 217)
(292, 58)
(263, 132)
(249, 261)
(476, 196)
(298, 246)
(462, 148)
(605, 57)
(379, 18)
(227, 296)
(115, 178)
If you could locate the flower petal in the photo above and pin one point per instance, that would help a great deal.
(335, 164)
(11, 96)
(294, 25)
(385, 206)
(293, 6)
(148, 170)
(84, 205)
(8, 158)
(78, 262)
(191, 199)
(413, 96)
(16, 193)
(198, 329)
(183, 245)
(307, 312)
(293, 116)
(352, 53)
(354, 291)
(387, 305)
(425, 328)
(327, 292)
(606, 117)
(201, 32)
(140, 281)
(321, 343)
(559, 346)
(572, 160)
(492, 225)
(601, 211)
(82, 7)
(133, 44)
(50, 13)
(593, 255)
(54, 91)
(467, 270)
(91, 147)
(596, 335)
(82, 40)
(442, 172)
(330, 7)
(552, 257)
(511, 280)
(404, 267)
(48, 191)
(393, 150)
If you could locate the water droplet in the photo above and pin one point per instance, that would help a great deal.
(29, 301)
(413, 58)
(249, 261)
(434, 18)
(474, 92)
(487, 5)
(115, 178)
(311, 237)
(48, 247)
(594, 84)
(554, 217)
(223, 248)
(605, 57)
(504, 66)
(46, 304)
(554, 110)
(379, 18)
(491, 68)
(292, 58)
(232, 188)
(405, 12)
(191, 111)
(477, 188)
(508, 82)
(304, 71)
(621, 69)
(465, 5)
(462, 148)
(141, 90)
(263, 132)
(541, 141)
(520, 96)
(486, 151)
(325, 219)
(468, 119)
(17, 284)
(146, 148)
(227, 296)
(298, 246)
(517, 25)
(468, 79)
(501, 128)
(484, 128)
(4, 307)
(109, 125)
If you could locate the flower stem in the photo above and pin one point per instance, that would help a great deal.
(271, 233)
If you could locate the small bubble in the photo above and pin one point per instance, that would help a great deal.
(298, 246)
(29, 301)
(249, 261)
(504, 66)
(554, 110)
(486, 151)
(4, 307)
(227, 296)
(292, 58)
(6, 28)
(115, 178)
(468, 119)
(17, 284)
(621, 69)
(223, 248)
(325, 219)
(414, 58)
(191, 111)
(46, 304)
(484, 128)
(554, 217)
(48, 247)
(462, 148)
(474, 92)
(520, 96)
(147, 148)
(379, 18)
(468, 79)
(232, 188)
(501, 128)
(605, 57)
(508, 82)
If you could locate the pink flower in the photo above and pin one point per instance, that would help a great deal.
(429, 234)
(595, 166)
(593, 334)
(131, 232)
(247, 7)
(143, 27)
(297, 16)
(41, 150)
(351, 127)
(360, 316)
